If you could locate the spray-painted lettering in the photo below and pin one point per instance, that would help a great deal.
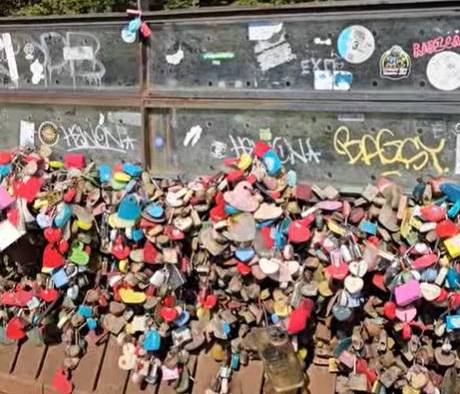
(386, 149)
(435, 45)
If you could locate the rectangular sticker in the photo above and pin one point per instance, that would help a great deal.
(27, 134)
(78, 53)
(262, 31)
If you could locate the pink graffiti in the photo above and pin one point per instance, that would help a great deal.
(435, 45)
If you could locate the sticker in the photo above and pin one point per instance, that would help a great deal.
(443, 71)
(218, 56)
(48, 133)
(218, 149)
(320, 41)
(175, 58)
(332, 80)
(265, 134)
(10, 57)
(395, 63)
(262, 31)
(275, 56)
(78, 53)
(193, 135)
(356, 44)
(351, 118)
(27, 134)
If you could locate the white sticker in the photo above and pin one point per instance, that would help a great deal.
(356, 44)
(78, 53)
(262, 31)
(175, 58)
(10, 234)
(193, 135)
(276, 56)
(443, 71)
(351, 118)
(38, 72)
(27, 134)
(320, 41)
(324, 80)
(11, 58)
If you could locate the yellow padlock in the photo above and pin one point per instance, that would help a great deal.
(56, 164)
(453, 246)
(335, 228)
(121, 177)
(123, 265)
(244, 162)
(85, 226)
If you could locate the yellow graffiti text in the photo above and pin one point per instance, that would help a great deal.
(386, 149)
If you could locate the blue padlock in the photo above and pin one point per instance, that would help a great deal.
(154, 210)
(129, 208)
(368, 227)
(182, 319)
(85, 311)
(272, 162)
(5, 170)
(91, 323)
(132, 169)
(451, 191)
(229, 210)
(105, 173)
(235, 361)
(452, 322)
(63, 216)
(152, 341)
(454, 210)
(453, 279)
(60, 278)
(244, 254)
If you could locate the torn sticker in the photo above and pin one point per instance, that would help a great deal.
(262, 31)
(332, 80)
(443, 71)
(27, 134)
(193, 135)
(276, 56)
(175, 58)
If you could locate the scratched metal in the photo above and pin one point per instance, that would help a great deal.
(82, 57)
(104, 134)
(181, 62)
(343, 149)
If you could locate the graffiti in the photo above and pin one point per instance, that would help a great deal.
(435, 45)
(299, 150)
(386, 149)
(273, 54)
(100, 137)
(218, 150)
(51, 57)
(313, 64)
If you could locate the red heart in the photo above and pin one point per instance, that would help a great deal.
(265, 232)
(61, 382)
(298, 233)
(260, 148)
(210, 301)
(13, 216)
(235, 176)
(338, 272)
(150, 253)
(389, 310)
(168, 314)
(28, 190)
(378, 281)
(433, 213)
(63, 246)
(52, 258)
(119, 251)
(74, 160)
(48, 295)
(53, 234)
(15, 329)
(443, 297)
(145, 30)
(243, 269)
(218, 213)
(69, 195)
(169, 301)
(446, 229)
(299, 317)
(425, 261)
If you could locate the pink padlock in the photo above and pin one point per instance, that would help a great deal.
(407, 293)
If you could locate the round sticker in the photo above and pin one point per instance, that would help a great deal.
(356, 44)
(48, 133)
(443, 71)
(395, 63)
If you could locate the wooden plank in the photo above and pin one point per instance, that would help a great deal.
(206, 371)
(112, 380)
(168, 388)
(248, 379)
(53, 360)
(86, 374)
(8, 355)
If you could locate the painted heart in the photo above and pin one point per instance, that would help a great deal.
(243, 269)
(52, 235)
(15, 329)
(52, 258)
(168, 314)
(299, 317)
(129, 296)
(69, 195)
(29, 189)
(406, 314)
(430, 291)
(61, 383)
(210, 301)
(337, 271)
(446, 229)
(358, 268)
(389, 310)
(378, 281)
(120, 251)
(425, 261)
(298, 233)
(218, 213)
(432, 213)
(48, 295)
(353, 284)
(244, 254)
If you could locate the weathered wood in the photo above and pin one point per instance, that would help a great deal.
(86, 375)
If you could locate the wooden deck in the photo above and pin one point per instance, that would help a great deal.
(29, 369)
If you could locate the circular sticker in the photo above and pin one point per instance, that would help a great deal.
(48, 133)
(443, 71)
(395, 63)
(356, 44)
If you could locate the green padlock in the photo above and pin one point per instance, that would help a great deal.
(78, 255)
